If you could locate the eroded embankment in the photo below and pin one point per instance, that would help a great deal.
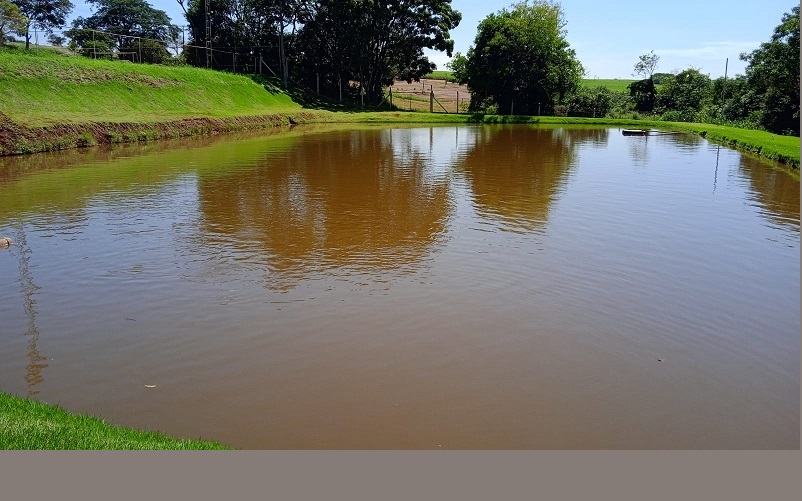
(16, 139)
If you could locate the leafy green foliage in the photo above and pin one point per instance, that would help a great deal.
(44, 14)
(647, 65)
(644, 94)
(773, 77)
(459, 68)
(590, 102)
(521, 60)
(372, 42)
(134, 24)
(11, 20)
(685, 93)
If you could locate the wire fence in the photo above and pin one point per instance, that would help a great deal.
(243, 59)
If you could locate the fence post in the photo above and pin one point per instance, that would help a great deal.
(457, 102)
(391, 98)
(431, 102)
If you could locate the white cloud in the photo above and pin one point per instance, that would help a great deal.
(713, 50)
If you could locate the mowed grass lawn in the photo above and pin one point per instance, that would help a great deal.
(44, 87)
(30, 425)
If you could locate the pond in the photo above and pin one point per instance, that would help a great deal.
(473, 287)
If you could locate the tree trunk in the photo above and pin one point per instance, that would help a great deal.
(28, 35)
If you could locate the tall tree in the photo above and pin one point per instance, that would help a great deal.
(521, 60)
(43, 14)
(773, 76)
(127, 19)
(371, 42)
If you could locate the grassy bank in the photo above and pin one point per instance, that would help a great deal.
(53, 101)
(44, 87)
(27, 424)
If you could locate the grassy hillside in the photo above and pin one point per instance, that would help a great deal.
(45, 87)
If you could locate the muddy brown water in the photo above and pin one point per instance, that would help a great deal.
(487, 287)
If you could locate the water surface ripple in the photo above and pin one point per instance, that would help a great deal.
(484, 287)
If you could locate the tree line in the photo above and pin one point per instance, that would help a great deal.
(519, 63)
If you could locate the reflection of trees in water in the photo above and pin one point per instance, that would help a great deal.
(515, 173)
(774, 190)
(36, 362)
(334, 201)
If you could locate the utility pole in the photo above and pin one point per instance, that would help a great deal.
(724, 84)
(208, 36)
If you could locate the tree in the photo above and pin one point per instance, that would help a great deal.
(458, 67)
(521, 60)
(129, 22)
(371, 42)
(43, 14)
(773, 76)
(643, 91)
(647, 65)
(644, 94)
(686, 94)
(243, 30)
(11, 20)
(57, 40)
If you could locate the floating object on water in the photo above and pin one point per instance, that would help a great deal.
(644, 132)
(5, 242)
(635, 132)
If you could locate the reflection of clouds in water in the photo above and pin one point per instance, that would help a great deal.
(439, 145)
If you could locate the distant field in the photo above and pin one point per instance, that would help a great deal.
(441, 75)
(614, 84)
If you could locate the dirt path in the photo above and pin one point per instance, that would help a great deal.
(415, 95)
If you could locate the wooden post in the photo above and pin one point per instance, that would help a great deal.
(431, 102)
(391, 97)
(457, 102)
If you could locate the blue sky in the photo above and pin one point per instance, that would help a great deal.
(608, 36)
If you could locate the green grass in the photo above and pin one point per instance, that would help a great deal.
(613, 84)
(27, 424)
(441, 75)
(43, 87)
